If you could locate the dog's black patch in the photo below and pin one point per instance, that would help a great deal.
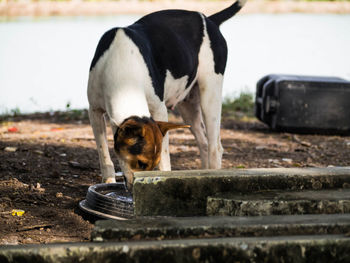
(134, 149)
(168, 40)
(103, 45)
(219, 47)
(137, 147)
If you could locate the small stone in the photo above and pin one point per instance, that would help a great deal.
(11, 240)
(10, 149)
(125, 249)
(287, 160)
(275, 161)
(75, 176)
(74, 164)
(37, 188)
(38, 152)
(261, 147)
(306, 144)
(118, 174)
(98, 239)
(244, 246)
(59, 195)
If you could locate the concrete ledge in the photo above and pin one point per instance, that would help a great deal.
(280, 203)
(184, 193)
(328, 248)
(215, 227)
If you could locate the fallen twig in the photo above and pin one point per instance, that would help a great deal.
(35, 227)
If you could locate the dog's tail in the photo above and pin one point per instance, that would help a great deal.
(227, 13)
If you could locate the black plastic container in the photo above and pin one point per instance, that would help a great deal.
(304, 104)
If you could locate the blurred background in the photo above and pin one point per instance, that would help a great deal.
(46, 46)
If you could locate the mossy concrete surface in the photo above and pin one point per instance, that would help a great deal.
(284, 238)
(184, 193)
(215, 227)
(296, 249)
(280, 203)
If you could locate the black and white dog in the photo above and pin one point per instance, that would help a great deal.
(166, 59)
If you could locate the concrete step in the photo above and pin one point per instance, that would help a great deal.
(279, 203)
(184, 193)
(215, 227)
(293, 249)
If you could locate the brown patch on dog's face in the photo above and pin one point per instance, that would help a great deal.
(138, 141)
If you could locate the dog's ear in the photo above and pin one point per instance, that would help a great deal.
(166, 126)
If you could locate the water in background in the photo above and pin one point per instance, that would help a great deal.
(44, 63)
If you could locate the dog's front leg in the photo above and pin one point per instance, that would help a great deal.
(164, 164)
(98, 124)
(161, 114)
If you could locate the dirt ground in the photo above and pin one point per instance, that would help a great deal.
(48, 161)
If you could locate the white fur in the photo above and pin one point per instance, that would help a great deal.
(175, 89)
(118, 81)
(210, 86)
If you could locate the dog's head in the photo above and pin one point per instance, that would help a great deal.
(138, 143)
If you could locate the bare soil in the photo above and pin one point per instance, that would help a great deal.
(48, 161)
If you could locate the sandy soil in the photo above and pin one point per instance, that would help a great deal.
(47, 162)
(73, 8)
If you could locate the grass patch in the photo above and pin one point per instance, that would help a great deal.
(239, 108)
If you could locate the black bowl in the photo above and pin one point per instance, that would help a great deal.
(111, 201)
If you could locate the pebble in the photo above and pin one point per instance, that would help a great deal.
(10, 240)
(275, 161)
(39, 152)
(10, 149)
(287, 160)
(261, 147)
(74, 164)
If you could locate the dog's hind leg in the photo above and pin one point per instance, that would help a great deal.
(210, 97)
(211, 68)
(191, 113)
(98, 124)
